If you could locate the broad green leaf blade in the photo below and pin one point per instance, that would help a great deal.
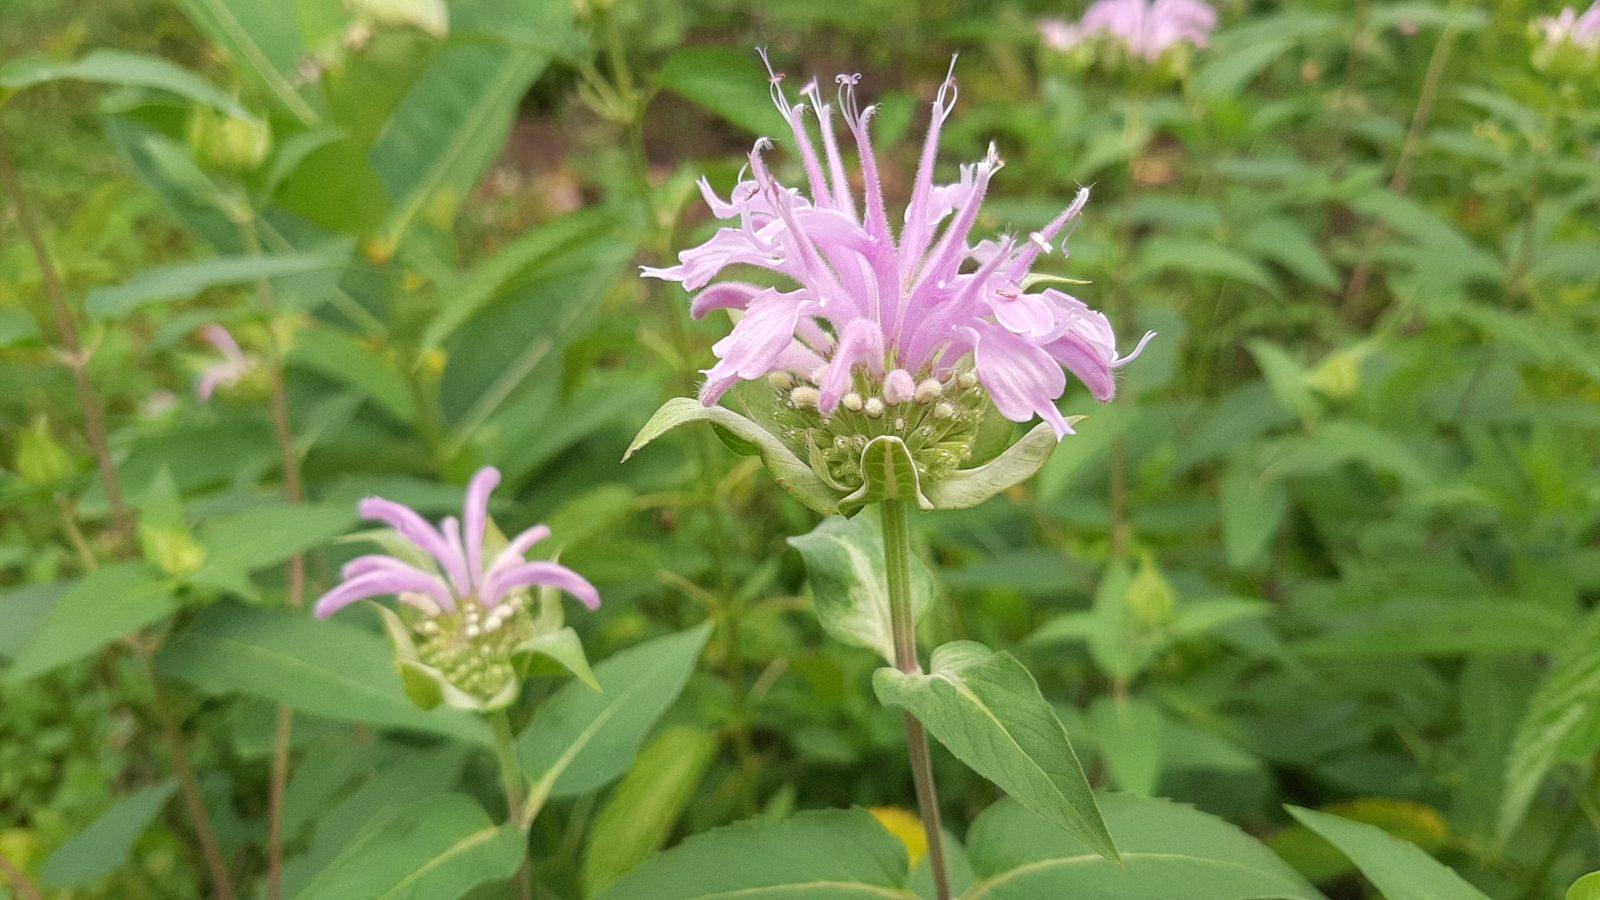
(25, 608)
(824, 854)
(987, 710)
(440, 848)
(849, 588)
(119, 68)
(727, 82)
(1585, 888)
(563, 648)
(1252, 507)
(184, 281)
(1398, 869)
(103, 606)
(1200, 257)
(890, 473)
(1168, 850)
(249, 541)
(324, 668)
(640, 814)
(580, 740)
(966, 488)
(1430, 628)
(263, 42)
(103, 847)
(1559, 724)
(791, 473)
(450, 126)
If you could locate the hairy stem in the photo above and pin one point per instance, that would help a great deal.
(518, 809)
(19, 882)
(289, 460)
(897, 572)
(77, 360)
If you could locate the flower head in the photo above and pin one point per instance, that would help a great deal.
(867, 320)
(227, 371)
(464, 603)
(1146, 28)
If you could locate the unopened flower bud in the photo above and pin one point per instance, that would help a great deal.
(805, 397)
(873, 408)
(816, 374)
(783, 381)
(852, 401)
(966, 381)
(898, 387)
(944, 410)
(929, 390)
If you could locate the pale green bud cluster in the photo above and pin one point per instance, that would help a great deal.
(938, 421)
(471, 647)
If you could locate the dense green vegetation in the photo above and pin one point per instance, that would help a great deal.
(1330, 556)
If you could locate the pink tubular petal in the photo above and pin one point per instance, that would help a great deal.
(218, 337)
(724, 295)
(1041, 241)
(1086, 363)
(861, 342)
(919, 218)
(375, 584)
(415, 529)
(475, 518)
(456, 566)
(898, 387)
(842, 199)
(545, 574)
(1021, 378)
(519, 546)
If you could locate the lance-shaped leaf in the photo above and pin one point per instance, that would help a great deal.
(822, 853)
(987, 710)
(103, 847)
(119, 68)
(1402, 871)
(439, 848)
(969, 487)
(849, 588)
(890, 474)
(791, 472)
(106, 605)
(642, 812)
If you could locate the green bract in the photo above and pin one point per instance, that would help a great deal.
(858, 466)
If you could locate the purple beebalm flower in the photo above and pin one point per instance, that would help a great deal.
(1568, 26)
(225, 372)
(460, 573)
(1147, 28)
(902, 307)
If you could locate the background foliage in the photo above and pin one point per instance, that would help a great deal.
(1335, 545)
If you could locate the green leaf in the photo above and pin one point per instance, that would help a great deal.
(1425, 627)
(442, 848)
(563, 648)
(262, 41)
(1562, 722)
(119, 68)
(822, 853)
(324, 668)
(1168, 850)
(450, 126)
(255, 539)
(849, 588)
(580, 740)
(791, 473)
(890, 474)
(346, 359)
(24, 609)
(729, 83)
(967, 488)
(1197, 256)
(986, 708)
(103, 606)
(1585, 888)
(1252, 507)
(640, 814)
(184, 281)
(1128, 733)
(103, 847)
(1398, 869)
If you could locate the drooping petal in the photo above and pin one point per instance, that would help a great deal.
(753, 347)
(380, 583)
(724, 295)
(544, 574)
(411, 526)
(475, 518)
(1022, 379)
(861, 342)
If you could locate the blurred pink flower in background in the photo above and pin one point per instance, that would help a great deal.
(1147, 29)
(1568, 26)
(902, 308)
(225, 372)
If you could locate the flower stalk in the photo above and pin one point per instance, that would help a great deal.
(517, 807)
(897, 573)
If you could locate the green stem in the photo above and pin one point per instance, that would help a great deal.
(517, 807)
(897, 572)
(1563, 833)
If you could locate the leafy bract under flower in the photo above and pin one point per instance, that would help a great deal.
(468, 612)
(859, 299)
